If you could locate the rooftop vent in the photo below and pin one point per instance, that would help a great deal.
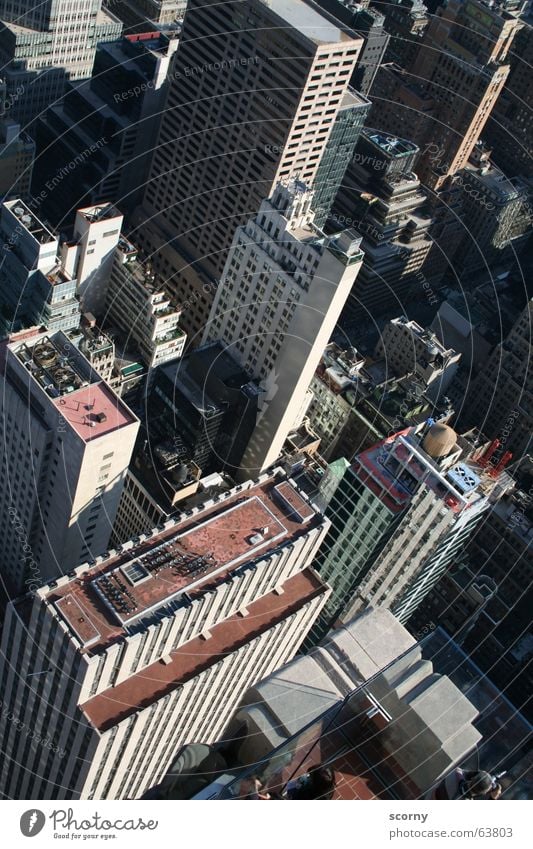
(463, 478)
(255, 539)
(45, 354)
(135, 573)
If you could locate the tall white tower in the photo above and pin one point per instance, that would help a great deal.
(67, 441)
(283, 288)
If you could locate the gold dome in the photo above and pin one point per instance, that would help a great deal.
(439, 441)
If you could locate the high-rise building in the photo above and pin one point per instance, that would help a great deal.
(369, 702)
(156, 643)
(138, 305)
(338, 153)
(381, 198)
(508, 130)
(67, 444)
(406, 22)
(47, 282)
(42, 45)
(35, 288)
(409, 348)
(357, 403)
(495, 213)
(140, 16)
(369, 24)
(484, 601)
(401, 513)
(500, 400)
(104, 129)
(17, 154)
(255, 93)
(460, 68)
(97, 347)
(207, 405)
(277, 304)
(460, 325)
(89, 252)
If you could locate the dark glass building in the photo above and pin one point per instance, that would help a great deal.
(207, 402)
(338, 153)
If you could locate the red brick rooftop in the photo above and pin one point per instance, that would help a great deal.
(243, 527)
(290, 496)
(155, 681)
(94, 411)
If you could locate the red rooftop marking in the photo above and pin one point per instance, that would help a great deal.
(83, 409)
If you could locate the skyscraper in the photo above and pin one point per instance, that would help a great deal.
(35, 288)
(278, 301)
(368, 23)
(406, 22)
(156, 643)
(363, 702)
(338, 153)
(90, 251)
(461, 68)
(67, 443)
(500, 400)
(495, 212)
(17, 154)
(42, 45)
(401, 513)
(382, 199)
(141, 16)
(409, 348)
(484, 601)
(508, 129)
(112, 120)
(138, 305)
(256, 90)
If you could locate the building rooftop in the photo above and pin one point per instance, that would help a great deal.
(495, 181)
(424, 334)
(100, 212)
(353, 98)
(393, 468)
(311, 22)
(179, 561)
(30, 222)
(63, 374)
(392, 145)
(94, 411)
(160, 678)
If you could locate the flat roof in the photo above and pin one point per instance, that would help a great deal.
(392, 485)
(155, 681)
(94, 411)
(302, 510)
(309, 21)
(30, 222)
(395, 145)
(181, 561)
(353, 98)
(99, 212)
